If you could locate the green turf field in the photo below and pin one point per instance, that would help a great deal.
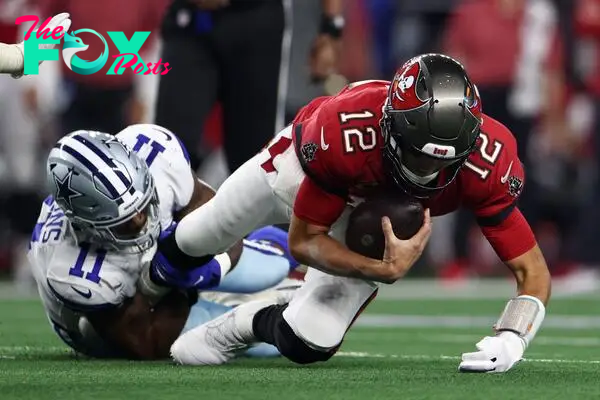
(400, 349)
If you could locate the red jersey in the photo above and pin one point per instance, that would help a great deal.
(339, 142)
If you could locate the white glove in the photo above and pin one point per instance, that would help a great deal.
(496, 354)
(61, 19)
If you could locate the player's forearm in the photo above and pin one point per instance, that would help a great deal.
(168, 319)
(532, 275)
(11, 58)
(536, 285)
(141, 331)
(152, 340)
(330, 256)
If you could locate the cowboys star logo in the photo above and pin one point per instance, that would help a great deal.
(64, 190)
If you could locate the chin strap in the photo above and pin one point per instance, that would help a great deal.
(423, 180)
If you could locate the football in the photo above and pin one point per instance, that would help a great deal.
(364, 233)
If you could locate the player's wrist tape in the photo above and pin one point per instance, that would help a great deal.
(522, 315)
(11, 59)
(224, 263)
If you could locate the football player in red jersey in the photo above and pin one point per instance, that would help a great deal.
(423, 133)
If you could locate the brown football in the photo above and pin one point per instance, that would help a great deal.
(364, 233)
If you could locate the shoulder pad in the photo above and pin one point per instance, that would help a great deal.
(149, 140)
(168, 160)
(493, 175)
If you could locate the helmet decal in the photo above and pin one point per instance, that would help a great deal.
(64, 192)
(404, 95)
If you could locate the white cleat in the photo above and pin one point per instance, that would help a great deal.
(222, 339)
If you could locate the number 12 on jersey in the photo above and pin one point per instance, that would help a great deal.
(363, 138)
(490, 156)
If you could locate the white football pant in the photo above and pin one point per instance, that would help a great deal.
(323, 309)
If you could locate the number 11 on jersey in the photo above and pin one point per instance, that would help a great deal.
(94, 274)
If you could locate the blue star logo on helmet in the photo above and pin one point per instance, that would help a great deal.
(64, 192)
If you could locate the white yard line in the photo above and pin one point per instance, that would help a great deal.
(431, 289)
(539, 341)
(14, 352)
(495, 288)
(17, 350)
(356, 354)
(566, 322)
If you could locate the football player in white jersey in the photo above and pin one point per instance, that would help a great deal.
(93, 247)
(12, 59)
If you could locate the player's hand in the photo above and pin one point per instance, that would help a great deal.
(323, 57)
(210, 5)
(496, 354)
(182, 271)
(202, 277)
(62, 20)
(400, 255)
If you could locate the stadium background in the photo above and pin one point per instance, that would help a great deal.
(537, 65)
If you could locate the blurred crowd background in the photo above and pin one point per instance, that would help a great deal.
(536, 63)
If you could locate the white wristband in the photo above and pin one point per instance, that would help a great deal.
(224, 262)
(522, 315)
(11, 59)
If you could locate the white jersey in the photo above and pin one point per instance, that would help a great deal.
(73, 280)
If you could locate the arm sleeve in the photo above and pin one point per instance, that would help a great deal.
(316, 206)
(512, 237)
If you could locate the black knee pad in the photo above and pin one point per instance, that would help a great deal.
(295, 349)
(279, 333)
